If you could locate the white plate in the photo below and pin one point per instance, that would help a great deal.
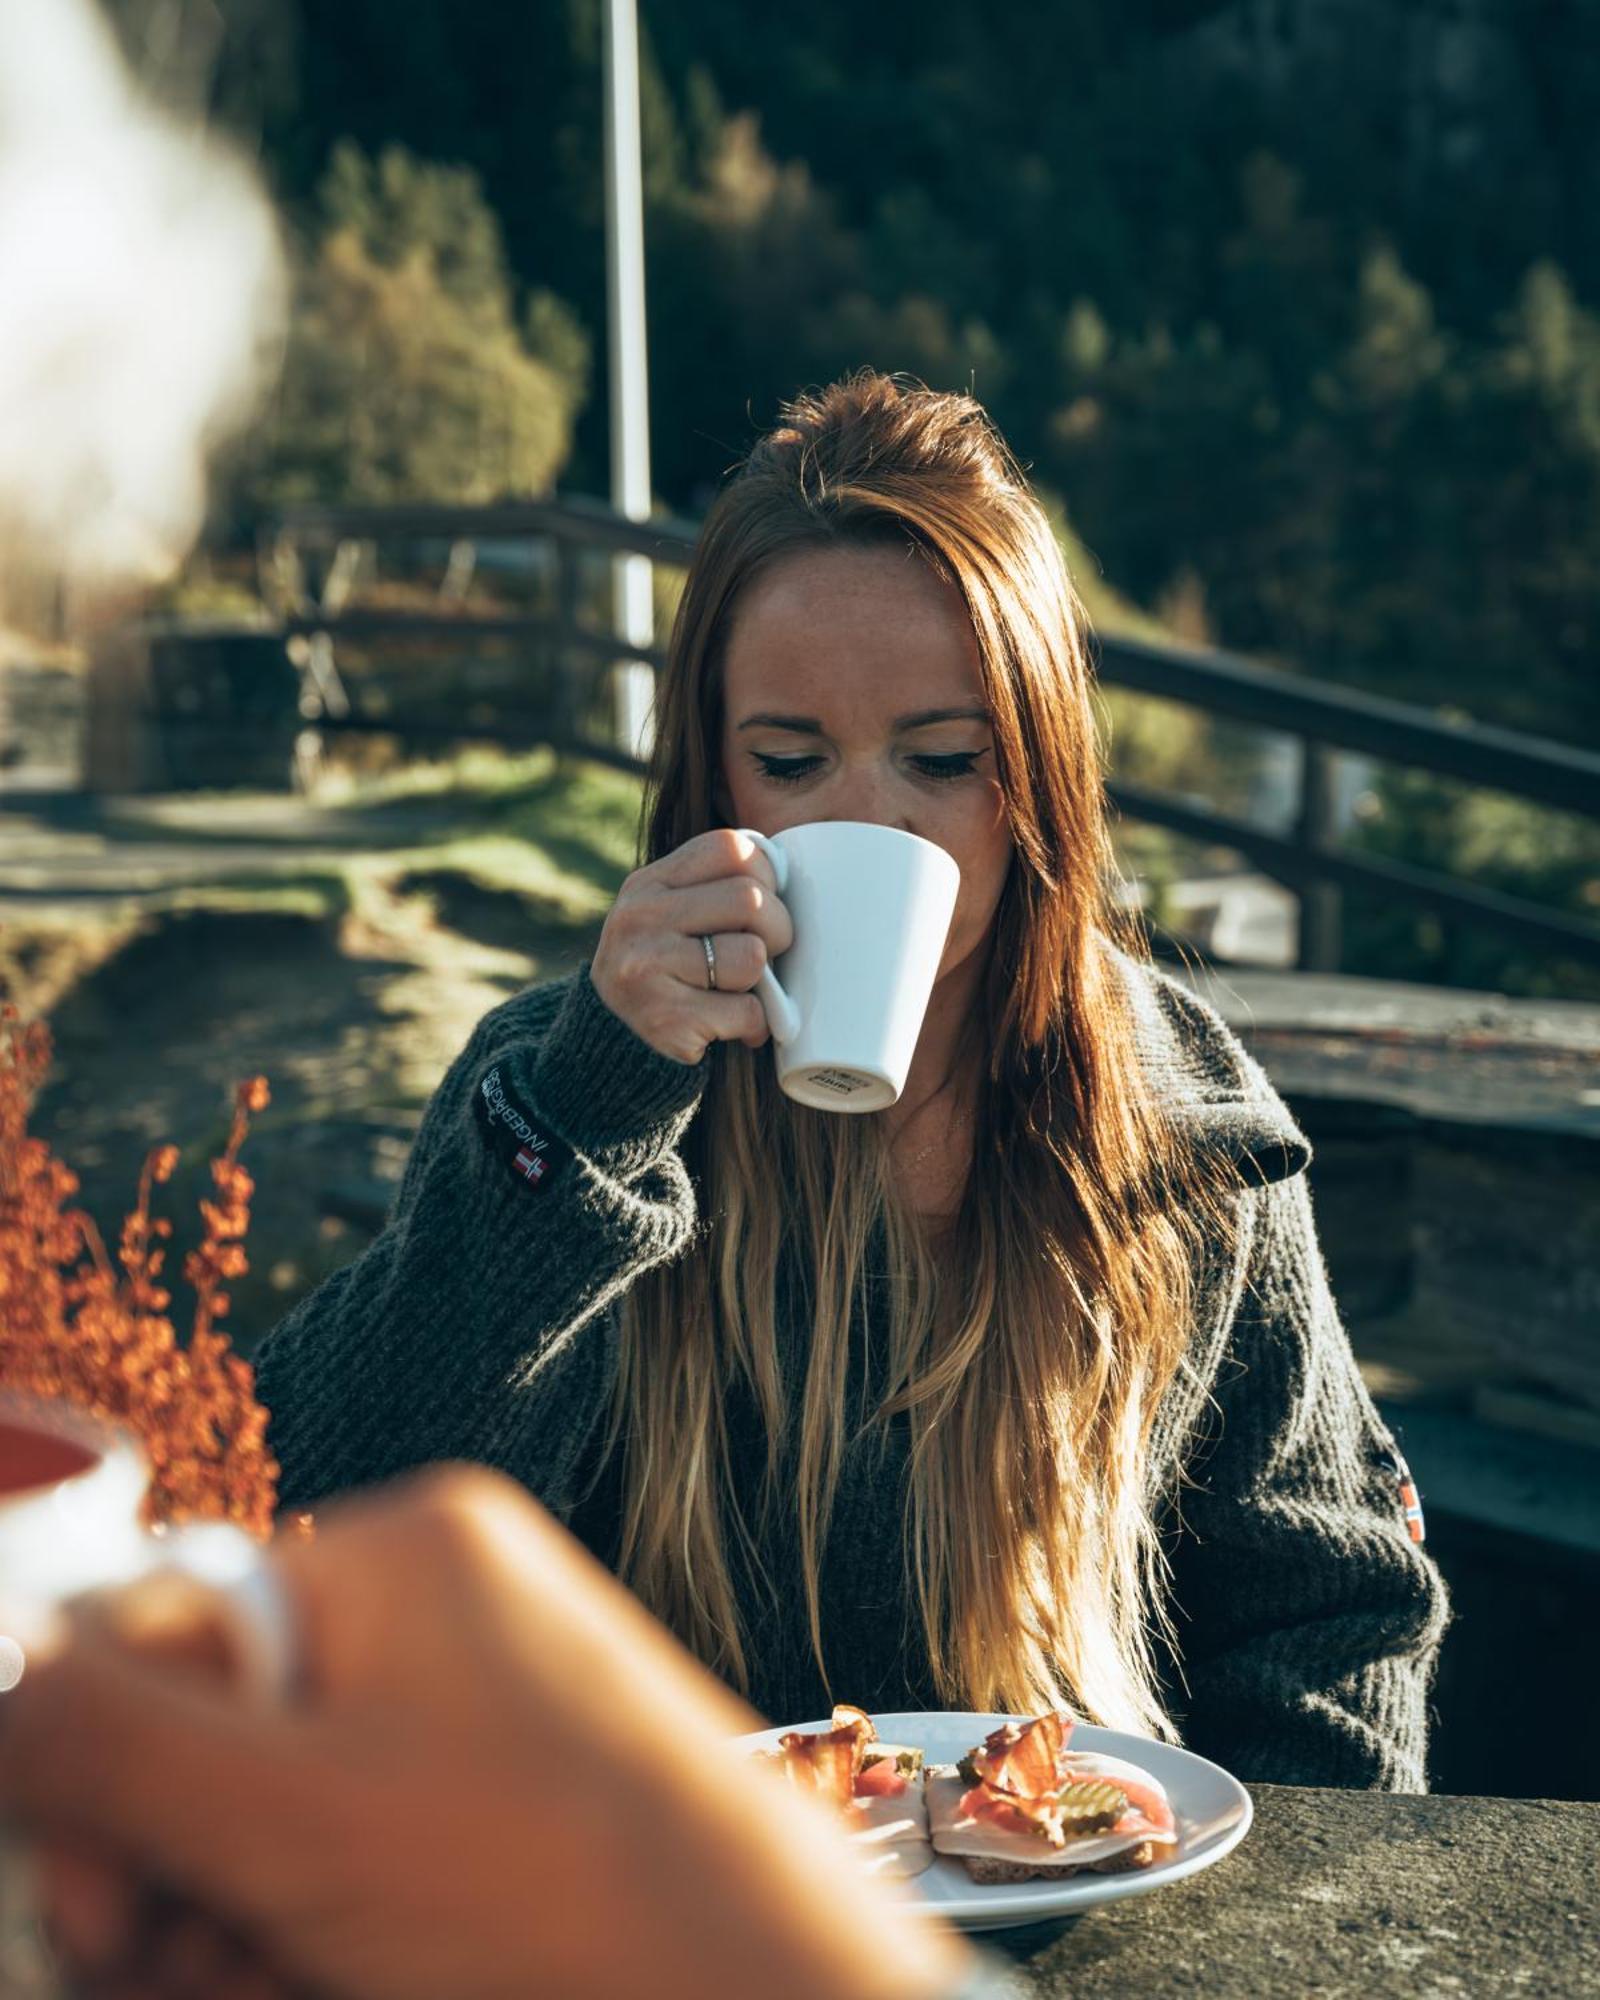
(1213, 1810)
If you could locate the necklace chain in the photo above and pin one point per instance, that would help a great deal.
(961, 1119)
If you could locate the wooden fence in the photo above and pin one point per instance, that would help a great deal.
(566, 649)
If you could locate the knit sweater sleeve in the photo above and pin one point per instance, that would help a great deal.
(545, 1178)
(1309, 1620)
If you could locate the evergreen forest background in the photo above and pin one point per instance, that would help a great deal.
(1291, 307)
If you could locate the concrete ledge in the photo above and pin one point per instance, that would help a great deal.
(1477, 1058)
(1457, 1175)
(1352, 1896)
(1317, 1002)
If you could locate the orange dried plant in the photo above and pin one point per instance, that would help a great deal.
(75, 1328)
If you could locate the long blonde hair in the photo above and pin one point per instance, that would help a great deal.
(1027, 1350)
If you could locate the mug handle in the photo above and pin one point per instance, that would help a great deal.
(783, 1016)
(234, 1573)
(250, 1594)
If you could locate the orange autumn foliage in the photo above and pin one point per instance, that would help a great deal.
(76, 1327)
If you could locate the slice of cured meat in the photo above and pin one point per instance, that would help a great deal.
(1022, 1759)
(885, 1816)
(1039, 1807)
(823, 1763)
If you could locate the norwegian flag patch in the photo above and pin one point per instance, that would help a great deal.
(532, 1154)
(1410, 1500)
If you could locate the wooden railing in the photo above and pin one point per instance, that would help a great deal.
(1325, 721)
(575, 654)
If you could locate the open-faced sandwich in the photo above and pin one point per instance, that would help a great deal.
(876, 1787)
(1023, 1805)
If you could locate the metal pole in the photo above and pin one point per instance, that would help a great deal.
(629, 378)
(1321, 904)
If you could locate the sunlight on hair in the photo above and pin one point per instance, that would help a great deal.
(1025, 1343)
(141, 307)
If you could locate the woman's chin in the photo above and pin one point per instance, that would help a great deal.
(957, 965)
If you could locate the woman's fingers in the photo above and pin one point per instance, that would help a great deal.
(650, 965)
(90, 1905)
(736, 1017)
(681, 1023)
(116, 1937)
(85, 1732)
(651, 969)
(710, 857)
(735, 903)
(739, 957)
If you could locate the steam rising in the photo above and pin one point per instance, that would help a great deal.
(141, 304)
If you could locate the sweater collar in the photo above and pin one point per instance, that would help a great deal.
(1217, 1095)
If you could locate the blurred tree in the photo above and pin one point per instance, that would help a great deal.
(407, 375)
(1530, 436)
(917, 336)
(1469, 528)
(1179, 454)
(1295, 305)
(397, 205)
(741, 265)
(1308, 393)
(1387, 613)
(512, 90)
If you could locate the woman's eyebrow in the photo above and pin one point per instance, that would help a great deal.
(802, 725)
(926, 716)
(808, 725)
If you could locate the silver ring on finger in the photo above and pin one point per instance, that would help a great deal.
(711, 964)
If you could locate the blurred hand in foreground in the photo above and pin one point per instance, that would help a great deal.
(500, 1778)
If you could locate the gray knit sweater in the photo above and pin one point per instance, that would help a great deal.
(547, 1176)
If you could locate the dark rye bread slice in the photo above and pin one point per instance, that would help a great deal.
(983, 1868)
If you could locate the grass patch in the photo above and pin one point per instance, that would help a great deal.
(554, 827)
(506, 918)
(322, 897)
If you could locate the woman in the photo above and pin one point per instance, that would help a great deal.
(1029, 1389)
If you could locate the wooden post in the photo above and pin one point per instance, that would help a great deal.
(564, 661)
(120, 748)
(1321, 904)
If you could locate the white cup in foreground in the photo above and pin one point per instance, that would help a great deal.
(871, 907)
(71, 1499)
(71, 1493)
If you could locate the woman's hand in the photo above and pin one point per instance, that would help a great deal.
(650, 964)
(503, 1778)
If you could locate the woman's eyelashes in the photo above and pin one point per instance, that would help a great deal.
(941, 768)
(953, 764)
(786, 770)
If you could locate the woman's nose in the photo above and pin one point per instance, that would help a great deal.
(869, 796)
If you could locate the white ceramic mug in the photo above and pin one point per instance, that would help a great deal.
(71, 1492)
(71, 1496)
(871, 907)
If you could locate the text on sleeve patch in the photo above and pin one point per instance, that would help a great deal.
(532, 1154)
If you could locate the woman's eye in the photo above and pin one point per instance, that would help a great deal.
(786, 769)
(958, 764)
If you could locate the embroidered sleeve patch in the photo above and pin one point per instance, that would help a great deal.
(534, 1156)
(1410, 1501)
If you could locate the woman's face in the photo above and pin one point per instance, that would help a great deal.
(852, 691)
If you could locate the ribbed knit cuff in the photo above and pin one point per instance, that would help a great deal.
(598, 1084)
